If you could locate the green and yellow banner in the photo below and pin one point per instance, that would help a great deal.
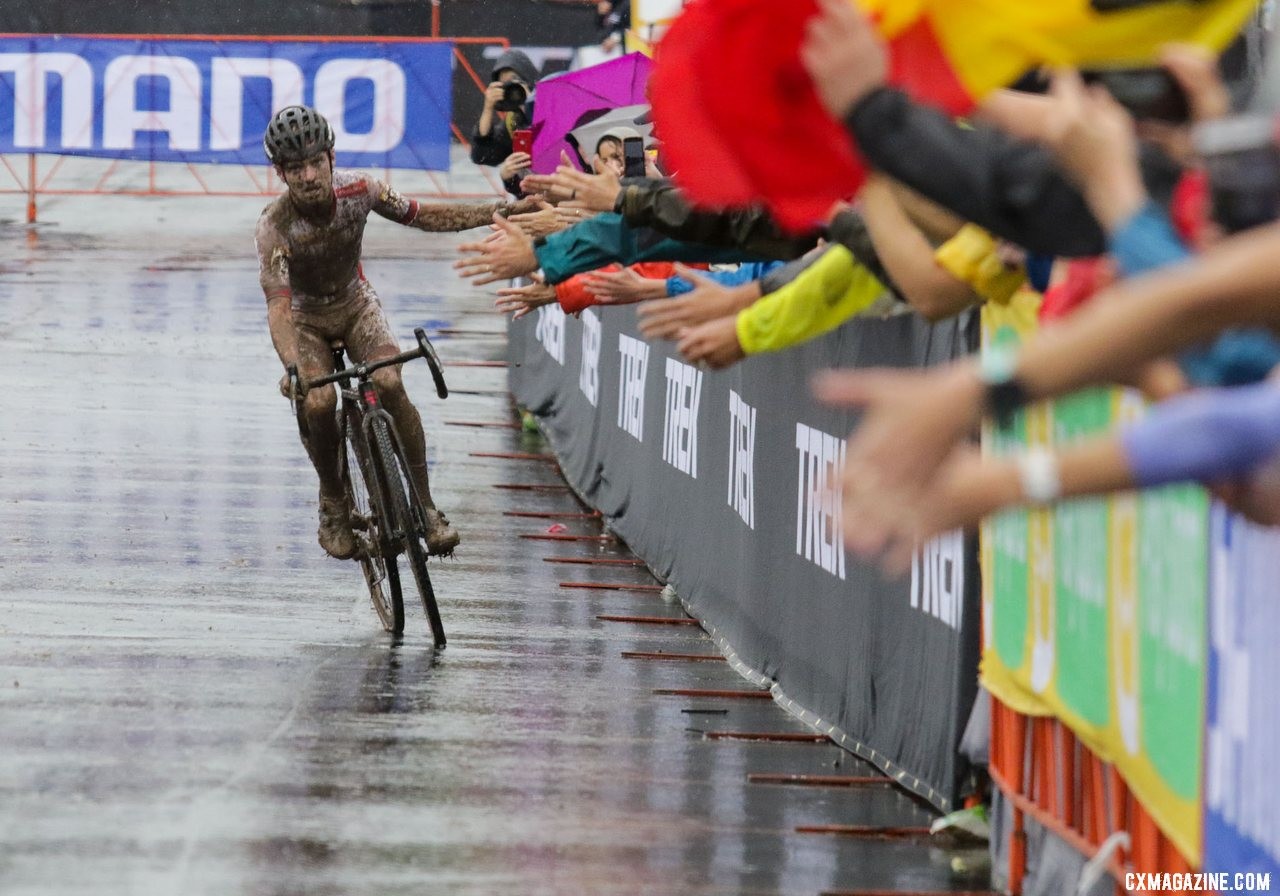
(1094, 611)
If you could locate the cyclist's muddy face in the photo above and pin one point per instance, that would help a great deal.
(310, 181)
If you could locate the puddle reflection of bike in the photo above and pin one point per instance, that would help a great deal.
(387, 514)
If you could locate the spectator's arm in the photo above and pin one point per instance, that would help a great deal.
(1010, 188)
(493, 147)
(973, 256)
(780, 277)
(745, 273)
(663, 207)
(1205, 435)
(606, 238)
(933, 291)
(834, 289)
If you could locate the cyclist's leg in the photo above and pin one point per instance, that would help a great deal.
(315, 359)
(370, 336)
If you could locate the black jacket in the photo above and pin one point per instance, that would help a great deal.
(660, 204)
(1012, 188)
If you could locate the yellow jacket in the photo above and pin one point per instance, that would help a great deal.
(832, 290)
(837, 287)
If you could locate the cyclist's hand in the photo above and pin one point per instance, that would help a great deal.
(288, 390)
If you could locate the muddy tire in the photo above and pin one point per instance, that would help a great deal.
(410, 520)
(373, 527)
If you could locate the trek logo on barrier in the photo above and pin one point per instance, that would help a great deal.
(819, 515)
(742, 459)
(680, 426)
(589, 374)
(937, 578)
(634, 360)
(550, 330)
(192, 100)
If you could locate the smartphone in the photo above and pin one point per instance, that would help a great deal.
(522, 141)
(1147, 93)
(633, 157)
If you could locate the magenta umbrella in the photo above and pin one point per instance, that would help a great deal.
(567, 101)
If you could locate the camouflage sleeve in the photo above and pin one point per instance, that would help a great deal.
(437, 216)
(273, 259)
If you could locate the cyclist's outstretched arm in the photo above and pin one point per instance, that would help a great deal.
(440, 217)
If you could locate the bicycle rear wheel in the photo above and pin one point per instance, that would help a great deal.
(373, 528)
(411, 520)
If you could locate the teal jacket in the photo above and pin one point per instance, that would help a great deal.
(606, 238)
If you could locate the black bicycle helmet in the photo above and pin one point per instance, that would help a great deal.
(297, 133)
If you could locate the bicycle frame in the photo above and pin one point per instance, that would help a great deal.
(368, 432)
(368, 409)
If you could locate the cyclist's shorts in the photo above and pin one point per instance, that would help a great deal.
(356, 318)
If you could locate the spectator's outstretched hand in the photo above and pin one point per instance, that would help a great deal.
(577, 189)
(1093, 139)
(504, 254)
(708, 301)
(844, 56)
(912, 422)
(967, 488)
(1196, 71)
(714, 343)
(520, 300)
(540, 223)
(623, 287)
(568, 216)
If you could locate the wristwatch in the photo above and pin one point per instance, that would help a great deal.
(1003, 395)
(1039, 475)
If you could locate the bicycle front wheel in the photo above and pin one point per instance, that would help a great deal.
(411, 521)
(373, 527)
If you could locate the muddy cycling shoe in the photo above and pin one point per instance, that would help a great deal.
(441, 537)
(335, 532)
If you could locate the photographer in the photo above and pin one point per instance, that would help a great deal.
(508, 107)
(613, 18)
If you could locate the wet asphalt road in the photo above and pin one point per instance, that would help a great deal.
(194, 699)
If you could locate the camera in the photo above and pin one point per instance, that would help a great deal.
(1242, 160)
(514, 94)
(1147, 93)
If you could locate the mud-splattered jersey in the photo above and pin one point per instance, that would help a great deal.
(318, 261)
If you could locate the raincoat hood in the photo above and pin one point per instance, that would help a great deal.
(518, 62)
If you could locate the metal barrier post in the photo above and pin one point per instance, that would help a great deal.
(31, 188)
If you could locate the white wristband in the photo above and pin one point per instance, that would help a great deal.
(1038, 474)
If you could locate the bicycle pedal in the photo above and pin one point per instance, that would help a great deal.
(359, 521)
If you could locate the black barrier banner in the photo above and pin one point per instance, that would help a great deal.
(727, 485)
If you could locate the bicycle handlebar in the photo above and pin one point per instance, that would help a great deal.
(424, 350)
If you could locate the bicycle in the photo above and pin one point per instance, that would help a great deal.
(387, 514)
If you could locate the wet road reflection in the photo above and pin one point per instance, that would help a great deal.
(193, 699)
